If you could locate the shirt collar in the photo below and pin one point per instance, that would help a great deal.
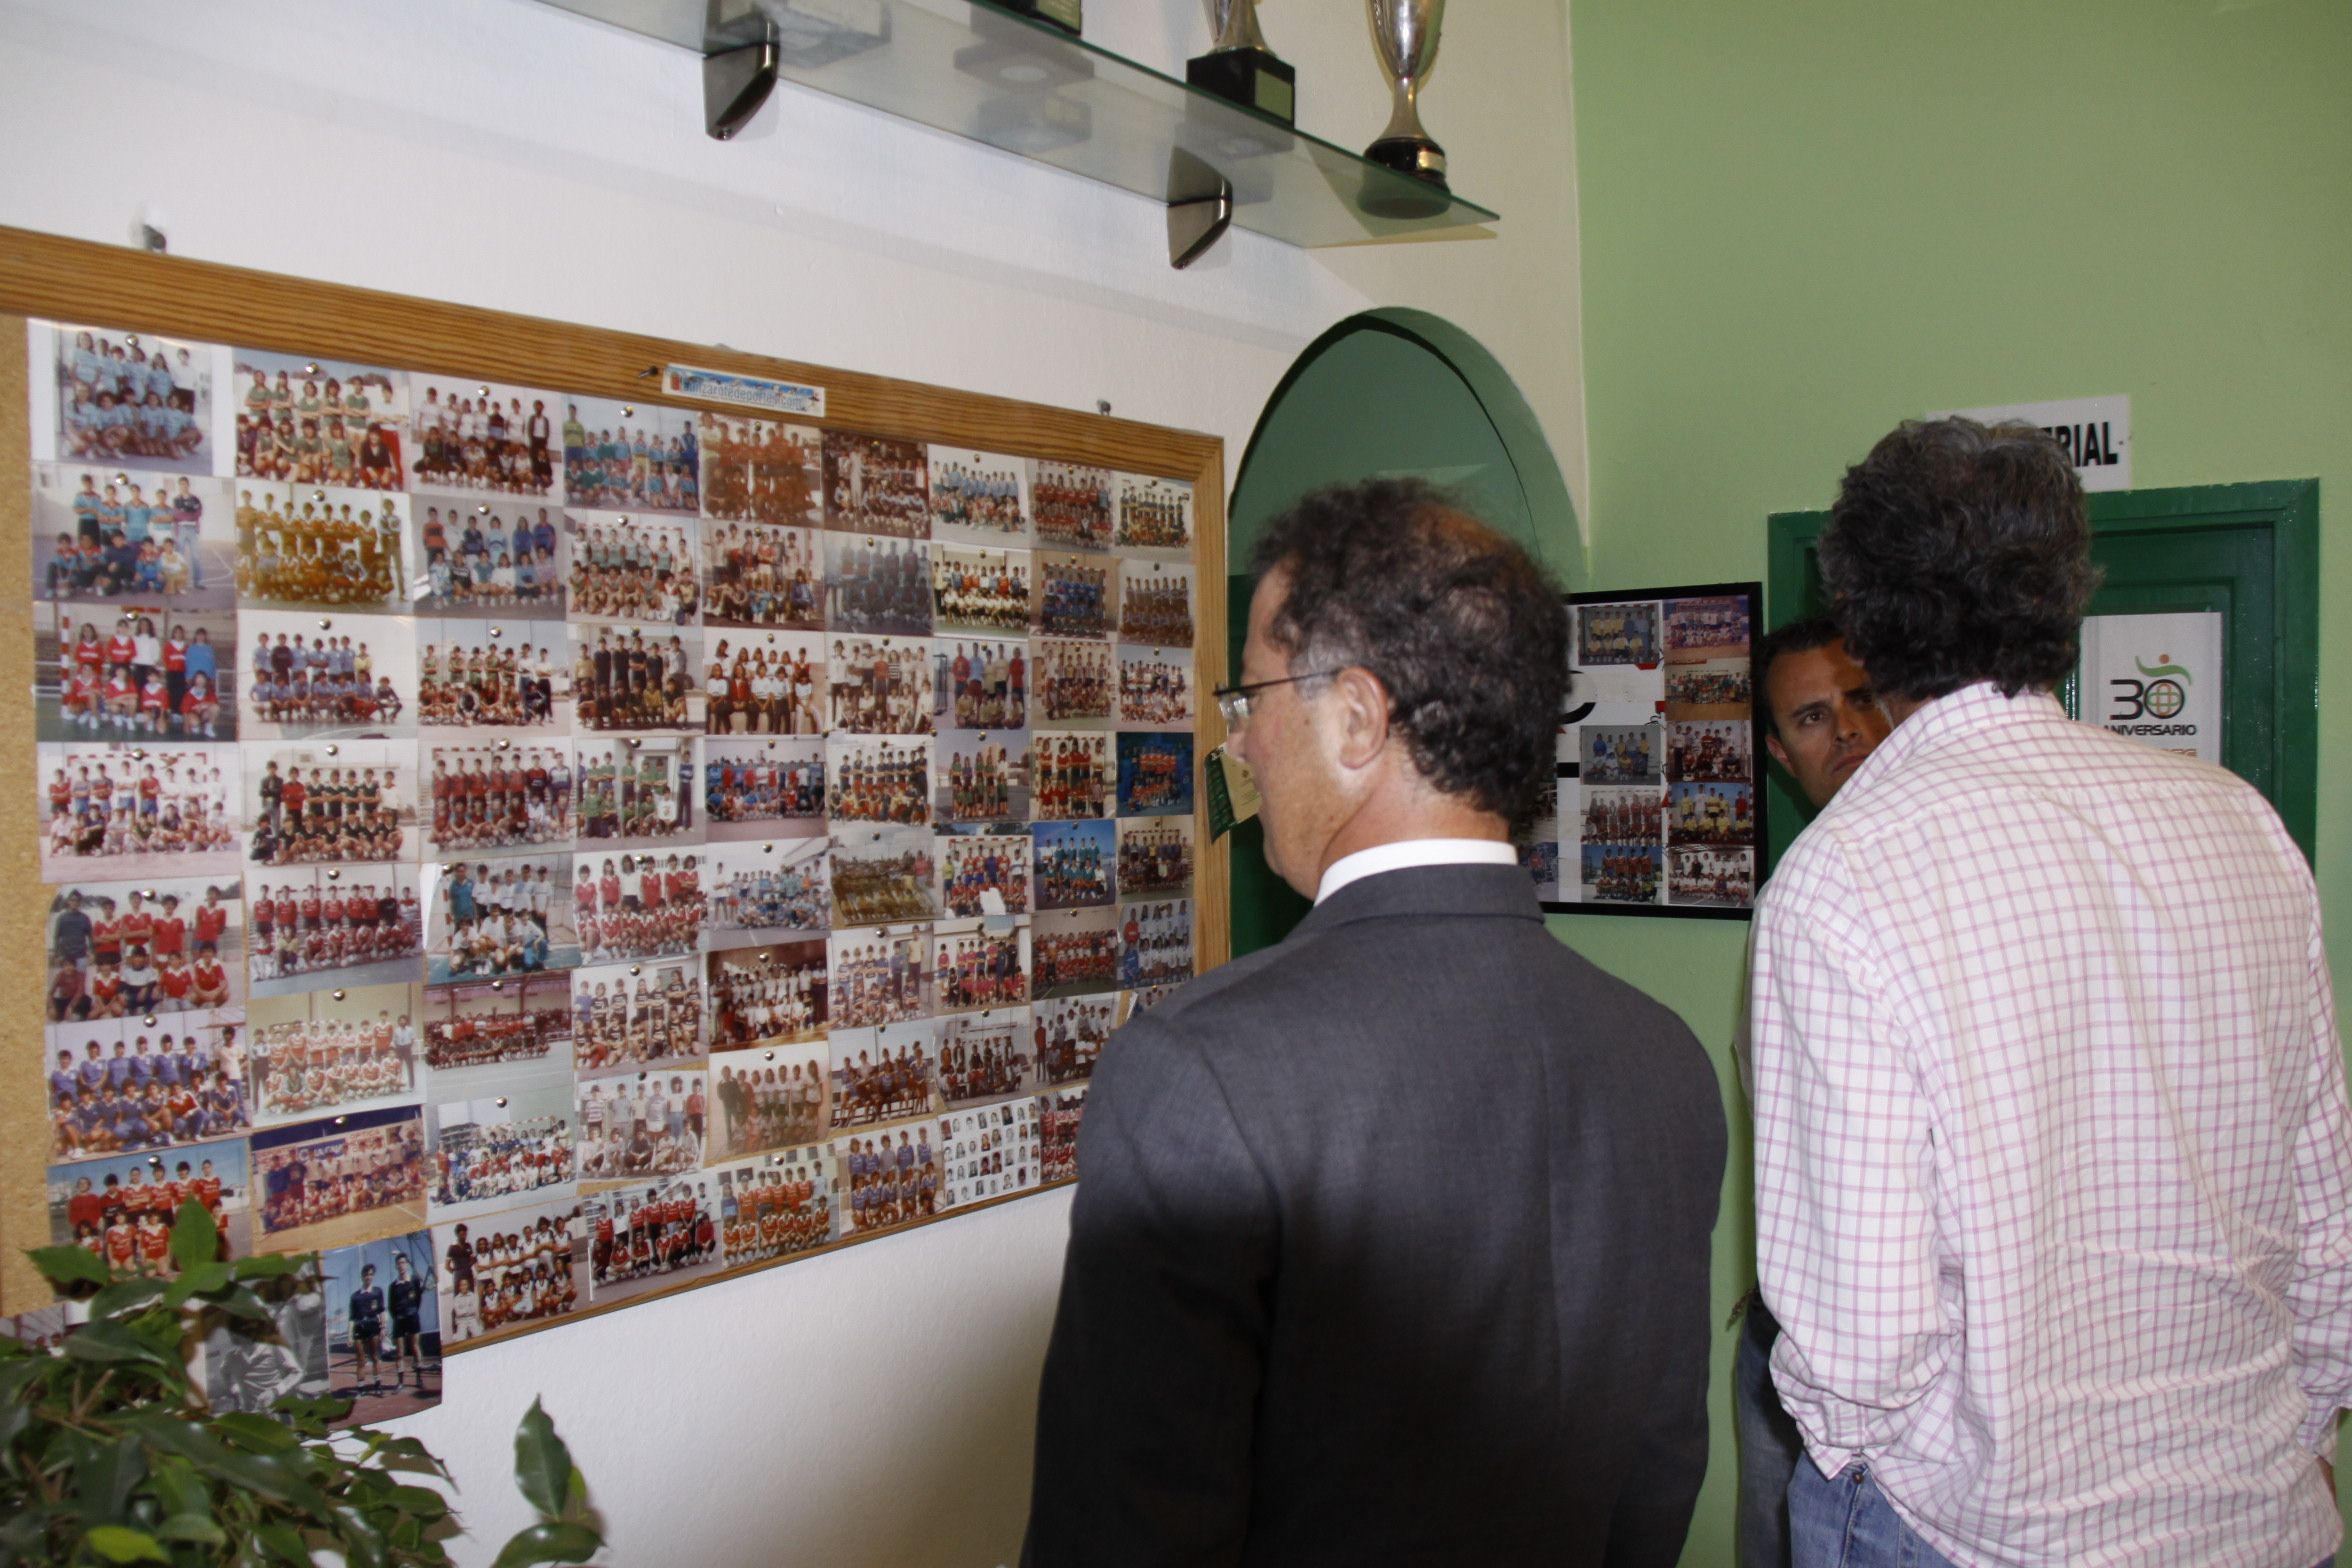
(1411, 852)
(1971, 708)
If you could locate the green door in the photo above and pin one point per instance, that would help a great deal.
(2247, 552)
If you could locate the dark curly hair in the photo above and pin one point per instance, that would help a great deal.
(1958, 553)
(1463, 630)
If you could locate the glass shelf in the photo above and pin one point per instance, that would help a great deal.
(974, 70)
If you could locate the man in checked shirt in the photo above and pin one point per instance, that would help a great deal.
(2053, 1155)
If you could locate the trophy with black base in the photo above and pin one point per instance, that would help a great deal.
(1241, 68)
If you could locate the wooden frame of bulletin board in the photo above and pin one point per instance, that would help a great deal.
(45, 277)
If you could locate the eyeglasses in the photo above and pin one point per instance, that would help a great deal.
(1234, 701)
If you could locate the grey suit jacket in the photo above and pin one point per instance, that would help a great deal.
(1390, 1246)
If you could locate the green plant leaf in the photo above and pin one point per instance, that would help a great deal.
(363, 1544)
(244, 1304)
(178, 1488)
(125, 1295)
(195, 1238)
(121, 1544)
(420, 1502)
(271, 1265)
(109, 1340)
(106, 1477)
(257, 1433)
(192, 1527)
(543, 1465)
(284, 1542)
(201, 1279)
(69, 1265)
(552, 1542)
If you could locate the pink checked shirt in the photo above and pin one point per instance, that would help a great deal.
(2053, 1157)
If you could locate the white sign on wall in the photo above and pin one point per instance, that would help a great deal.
(2156, 678)
(2094, 431)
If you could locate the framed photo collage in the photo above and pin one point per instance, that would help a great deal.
(536, 849)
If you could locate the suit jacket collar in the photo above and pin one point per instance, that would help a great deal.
(1505, 892)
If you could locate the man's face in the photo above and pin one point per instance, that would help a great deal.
(1286, 748)
(1827, 717)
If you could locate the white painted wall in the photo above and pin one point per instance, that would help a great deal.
(874, 1406)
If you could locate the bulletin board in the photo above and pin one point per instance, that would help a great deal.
(665, 810)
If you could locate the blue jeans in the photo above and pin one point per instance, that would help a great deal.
(1845, 1521)
(1769, 1444)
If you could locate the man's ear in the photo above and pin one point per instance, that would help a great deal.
(1779, 752)
(1361, 703)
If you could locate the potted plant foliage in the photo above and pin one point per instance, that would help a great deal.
(110, 1451)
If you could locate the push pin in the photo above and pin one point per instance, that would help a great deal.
(334, 874)
(498, 985)
(485, 392)
(339, 996)
(318, 495)
(502, 1102)
(310, 369)
(334, 751)
(628, 412)
(150, 1020)
(325, 624)
(340, 1120)
(131, 340)
(636, 969)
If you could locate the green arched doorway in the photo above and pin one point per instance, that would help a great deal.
(1387, 392)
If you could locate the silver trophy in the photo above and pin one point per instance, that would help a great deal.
(1404, 32)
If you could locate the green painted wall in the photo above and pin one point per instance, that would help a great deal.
(1804, 221)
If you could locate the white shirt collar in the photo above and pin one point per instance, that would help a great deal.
(1413, 852)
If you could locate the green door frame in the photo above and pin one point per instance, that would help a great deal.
(2289, 508)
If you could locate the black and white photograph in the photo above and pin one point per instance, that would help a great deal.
(765, 889)
(249, 1373)
(775, 1205)
(383, 1329)
(636, 679)
(645, 903)
(504, 559)
(878, 778)
(1155, 689)
(1155, 515)
(982, 776)
(982, 684)
(882, 875)
(495, 793)
(776, 1097)
(120, 810)
(765, 683)
(1155, 943)
(634, 794)
(134, 670)
(1155, 604)
(125, 1086)
(1078, 682)
(629, 567)
(632, 1125)
(314, 547)
(482, 1028)
(1155, 773)
(131, 400)
(981, 590)
(350, 802)
(504, 918)
(988, 1153)
(663, 1232)
(320, 421)
(511, 1143)
(877, 586)
(1075, 776)
(1070, 1035)
(874, 485)
(885, 1075)
(121, 1208)
(640, 1015)
(510, 1270)
(986, 1056)
(494, 675)
(979, 498)
(484, 438)
(330, 677)
(1077, 864)
(887, 1180)
(355, 1048)
(984, 870)
(980, 964)
(761, 471)
(1074, 952)
(630, 457)
(1077, 595)
(1073, 505)
(756, 576)
(762, 788)
(1155, 856)
(878, 976)
(102, 532)
(131, 949)
(333, 925)
(340, 1179)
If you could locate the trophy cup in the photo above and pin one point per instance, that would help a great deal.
(1241, 68)
(1404, 33)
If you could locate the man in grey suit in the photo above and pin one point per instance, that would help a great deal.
(1392, 1241)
